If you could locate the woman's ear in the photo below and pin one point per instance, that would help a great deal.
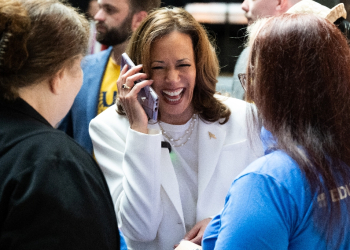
(56, 82)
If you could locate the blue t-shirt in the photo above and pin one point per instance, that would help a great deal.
(270, 206)
(123, 245)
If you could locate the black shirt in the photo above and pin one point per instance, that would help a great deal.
(52, 193)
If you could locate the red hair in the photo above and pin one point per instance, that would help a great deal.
(300, 82)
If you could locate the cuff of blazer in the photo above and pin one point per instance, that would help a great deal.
(139, 206)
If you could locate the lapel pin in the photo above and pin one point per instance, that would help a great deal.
(211, 136)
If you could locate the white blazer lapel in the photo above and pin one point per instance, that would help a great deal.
(211, 138)
(169, 179)
(169, 182)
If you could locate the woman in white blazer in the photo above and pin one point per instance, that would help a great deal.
(163, 194)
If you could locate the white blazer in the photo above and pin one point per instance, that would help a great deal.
(142, 179)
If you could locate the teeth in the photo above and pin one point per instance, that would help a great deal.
(175, 93)
(172, 100)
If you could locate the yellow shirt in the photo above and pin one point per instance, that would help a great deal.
(108, 90)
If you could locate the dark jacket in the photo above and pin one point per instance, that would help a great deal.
(52, 193)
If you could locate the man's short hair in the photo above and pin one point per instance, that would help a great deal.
(144, 5)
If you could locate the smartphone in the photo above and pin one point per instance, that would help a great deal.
(147, 96)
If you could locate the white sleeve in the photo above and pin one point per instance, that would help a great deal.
(132, 168)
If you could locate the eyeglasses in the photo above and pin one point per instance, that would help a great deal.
(243, 79)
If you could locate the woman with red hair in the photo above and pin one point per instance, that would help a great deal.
(296, 196)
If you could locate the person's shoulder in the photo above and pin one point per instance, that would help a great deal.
(45, 149)
(278, 166)
(59, 150)
(110, 114)
(242, 60)
(237, 107)
(95, 58)
(245, 52)
(271, 163)
(234, 104)
(56, 142)
(110, 118)
(98, 55)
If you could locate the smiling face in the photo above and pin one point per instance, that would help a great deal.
(173, 70)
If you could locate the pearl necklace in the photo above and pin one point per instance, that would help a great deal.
(186, 135)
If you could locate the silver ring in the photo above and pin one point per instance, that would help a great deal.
(124, 86)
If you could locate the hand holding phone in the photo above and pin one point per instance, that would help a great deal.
(147, 96)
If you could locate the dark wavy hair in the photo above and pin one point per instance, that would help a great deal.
(164, 21)
(37, 38)
(299, 70)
